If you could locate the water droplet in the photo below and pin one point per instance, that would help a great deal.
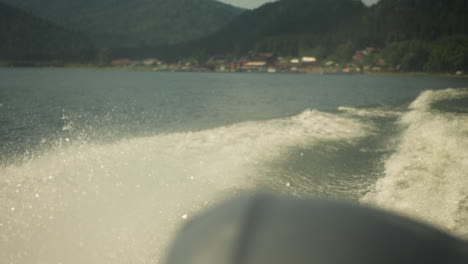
(37, 195)
(184, 216)
(13, 209)
(288, 184)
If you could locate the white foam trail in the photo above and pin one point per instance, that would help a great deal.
(427, 175)
(120, 203)
(370, 112)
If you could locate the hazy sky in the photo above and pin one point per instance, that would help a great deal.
(257, 3)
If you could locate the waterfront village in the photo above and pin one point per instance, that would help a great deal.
(263, 62)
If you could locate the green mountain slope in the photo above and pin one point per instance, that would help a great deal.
(24, 37)
(397, 20)
(414, 35)
(284, 27)
(420, 35)
(306, 24)
(117, 23)
(274, 26)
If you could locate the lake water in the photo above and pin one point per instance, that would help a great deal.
(102, 166)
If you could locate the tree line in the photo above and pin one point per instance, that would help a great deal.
(412, 35)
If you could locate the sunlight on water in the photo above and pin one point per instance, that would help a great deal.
(120, 203)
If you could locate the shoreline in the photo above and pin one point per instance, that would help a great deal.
(95, 67)
(416, 74)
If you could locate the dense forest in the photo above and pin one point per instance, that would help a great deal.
(413, 35)
(282, 27)
(421, 35)
(124, 23)
(24, 37)
(409, 35)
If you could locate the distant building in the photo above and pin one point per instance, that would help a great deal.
(151, 62)
(137, 64)
(294, 61)
(347, 70)
(308, 60)
(236, 66)
(268, 57)
(358, 55)
(121, 62)
(283, 65)
(255, 66)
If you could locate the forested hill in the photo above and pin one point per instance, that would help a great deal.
(284, 27)
(117, 23)
(289, 26)
(428, 20)
(278, 26)
(25, 37)
(407, 35)
(414, 35)
(420, 35)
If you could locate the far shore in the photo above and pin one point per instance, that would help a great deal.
(367, 73)
(416, 74)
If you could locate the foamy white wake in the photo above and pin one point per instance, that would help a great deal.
(427, 176)
(120, 203)
(382, 112)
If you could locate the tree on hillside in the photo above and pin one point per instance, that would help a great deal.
(448, 54)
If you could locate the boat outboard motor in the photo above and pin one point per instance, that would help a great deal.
(266, 229)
